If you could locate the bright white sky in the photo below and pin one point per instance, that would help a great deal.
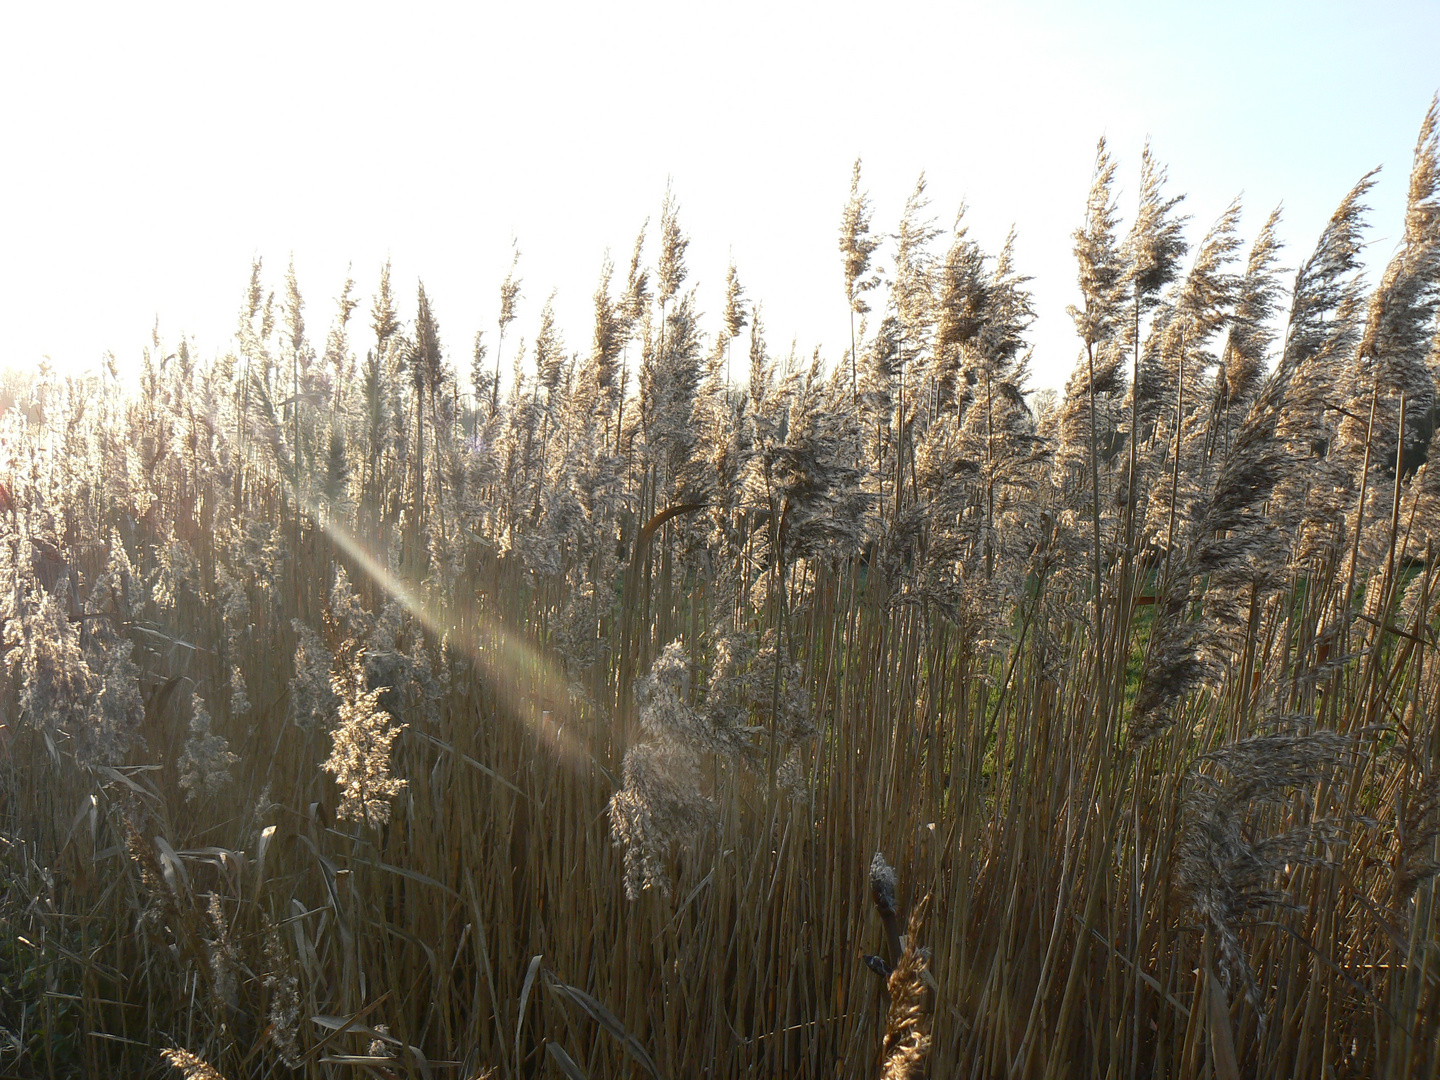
(148, 156)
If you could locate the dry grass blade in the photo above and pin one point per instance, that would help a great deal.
(564, 1061)
(175, 872)
(530, 972)
(607, 1020)
(405, 872)
(267, 835)
(1217, 1022)
(337, 1026)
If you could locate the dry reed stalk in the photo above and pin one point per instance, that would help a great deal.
(966, 616)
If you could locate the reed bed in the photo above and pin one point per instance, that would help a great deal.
(361, 719)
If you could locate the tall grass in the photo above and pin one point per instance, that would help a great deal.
(561, 739)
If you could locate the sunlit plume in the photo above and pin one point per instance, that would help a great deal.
(503, 657)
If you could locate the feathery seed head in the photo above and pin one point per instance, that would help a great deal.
(1225, 864)
(659, 804)
(857, 245)
(1156, 242)
(206, 761)
(882, 884)
(671, 269)
(191, 1066)
(312, 701)
(360, 757)
(1097, 254)
(906, 1046)
(510, 290)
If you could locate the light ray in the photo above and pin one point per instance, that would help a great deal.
(501, 655)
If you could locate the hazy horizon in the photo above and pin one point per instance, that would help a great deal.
(153, 156)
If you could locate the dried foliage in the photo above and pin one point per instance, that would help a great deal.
(359, 711)
(906, 1046)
